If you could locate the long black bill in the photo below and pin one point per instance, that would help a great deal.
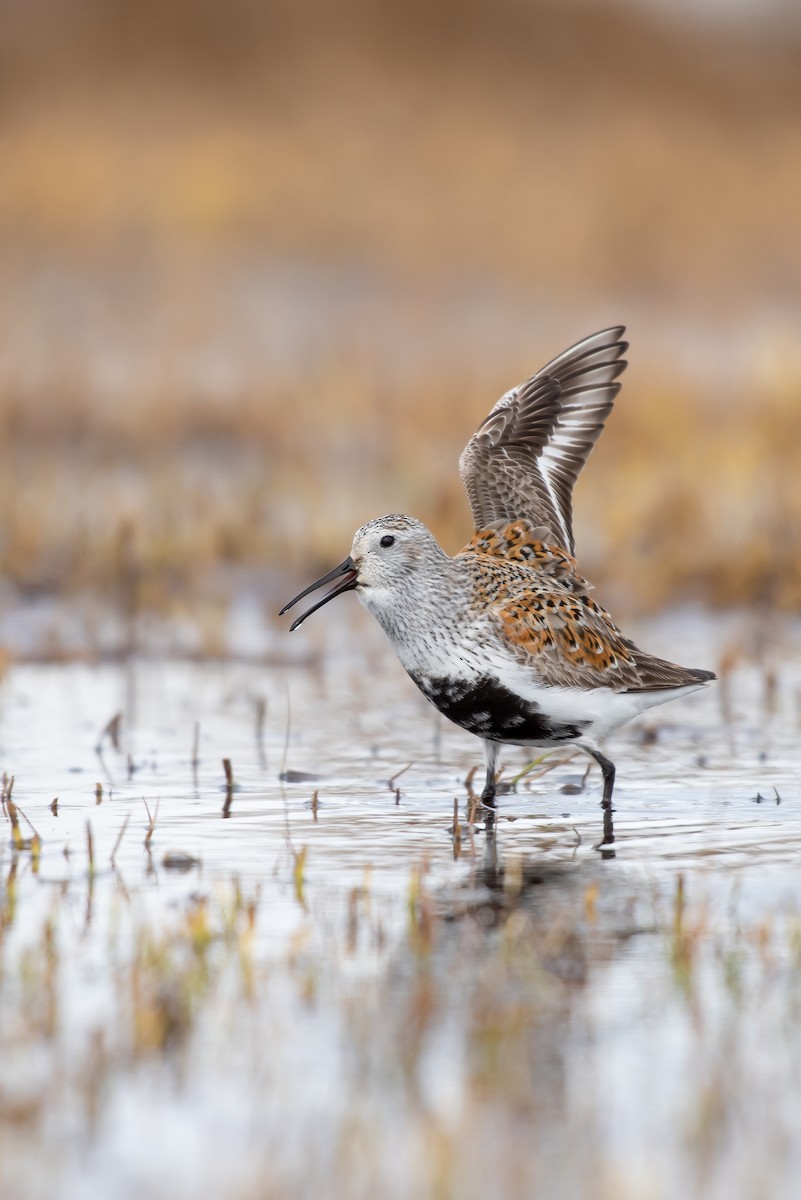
(346, 568)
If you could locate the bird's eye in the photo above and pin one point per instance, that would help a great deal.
(387, 541)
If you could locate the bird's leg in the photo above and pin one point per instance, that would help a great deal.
(491, 758)
(608, 772)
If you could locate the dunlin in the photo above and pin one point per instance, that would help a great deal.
(504, 637)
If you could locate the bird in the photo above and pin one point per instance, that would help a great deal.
(505, 637)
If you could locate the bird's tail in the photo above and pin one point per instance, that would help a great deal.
(657, 674)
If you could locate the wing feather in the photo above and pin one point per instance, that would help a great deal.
(547, 618)
(525, 457)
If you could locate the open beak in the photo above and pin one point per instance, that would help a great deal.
(347, 569)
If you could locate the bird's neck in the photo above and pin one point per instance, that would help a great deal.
(417, 616)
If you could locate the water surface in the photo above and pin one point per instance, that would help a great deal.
(326, 990)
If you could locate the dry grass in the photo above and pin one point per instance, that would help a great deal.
(178, 391)
(685, 498)
(321, 1002)
(470, 1039)
(579, 143)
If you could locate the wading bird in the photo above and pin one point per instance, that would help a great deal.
(505, 638)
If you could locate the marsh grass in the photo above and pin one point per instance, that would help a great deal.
(685, 498)
(492, 997)
(354, 988)
(244, 310)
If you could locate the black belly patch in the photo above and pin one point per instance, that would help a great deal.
(487, 708)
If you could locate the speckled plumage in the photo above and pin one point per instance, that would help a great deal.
(505, 637)
(545, 611)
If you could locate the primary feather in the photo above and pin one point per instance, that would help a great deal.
(525, 457)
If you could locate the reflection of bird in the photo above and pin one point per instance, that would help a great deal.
(505, 638)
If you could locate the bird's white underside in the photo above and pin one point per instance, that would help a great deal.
(466, 662)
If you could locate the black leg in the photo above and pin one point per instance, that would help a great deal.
(491, 756)
(608, 772)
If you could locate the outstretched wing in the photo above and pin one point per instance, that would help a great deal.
(525, 457)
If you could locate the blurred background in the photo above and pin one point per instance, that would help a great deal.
(265, 266)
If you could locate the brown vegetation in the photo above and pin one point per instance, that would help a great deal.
(264, 268)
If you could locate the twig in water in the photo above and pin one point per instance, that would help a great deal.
(8, 787)
(90, 849)
(152, 823)
(456, 830)
(760, 799)
(229, 786)
(112, 732)
(34, 844)
(98, 793)
(471, 814)
(54, 806)
(29, 823)
(120, 836)
(315, 798)
(397, 775)
(114, 735)
(472, 799)
(90, 890)
(16, 835)
(299, 857)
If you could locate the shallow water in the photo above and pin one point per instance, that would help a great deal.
(326, 991)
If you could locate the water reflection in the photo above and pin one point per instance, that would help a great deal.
(332, 927)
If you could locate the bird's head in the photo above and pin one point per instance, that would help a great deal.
(388, 555)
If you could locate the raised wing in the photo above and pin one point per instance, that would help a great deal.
(525, 457)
